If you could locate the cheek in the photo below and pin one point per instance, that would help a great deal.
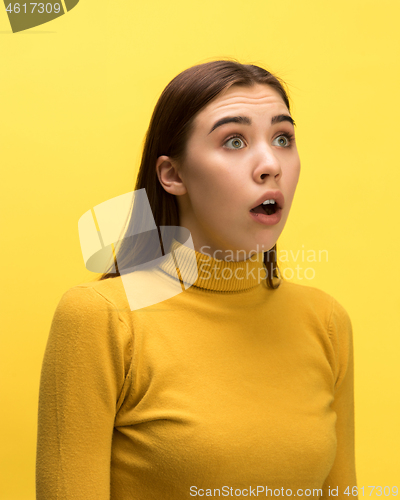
(206, 183)
(212, 202)
(289, 184)
(292, 176)
(297, 166)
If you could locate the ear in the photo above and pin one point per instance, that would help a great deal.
(168, 175)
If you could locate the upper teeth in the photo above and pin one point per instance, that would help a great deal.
(268, 201)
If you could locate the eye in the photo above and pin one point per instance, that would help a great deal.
(285, 140)
(236, 142)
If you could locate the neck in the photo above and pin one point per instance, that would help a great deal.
(203, 271)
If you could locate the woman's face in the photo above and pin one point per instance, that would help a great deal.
(229, 168)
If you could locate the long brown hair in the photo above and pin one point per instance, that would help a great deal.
(170, 127)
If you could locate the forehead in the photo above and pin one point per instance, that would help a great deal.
(259, 99)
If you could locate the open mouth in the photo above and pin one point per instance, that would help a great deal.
(267, 209)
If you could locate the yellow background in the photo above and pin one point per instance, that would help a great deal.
(76, 97)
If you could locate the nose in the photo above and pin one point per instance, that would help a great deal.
(268, 166)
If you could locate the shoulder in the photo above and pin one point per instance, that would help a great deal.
(93, 306)
(107, 293)
(306, 298)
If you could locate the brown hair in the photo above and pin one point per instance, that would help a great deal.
(170, 127)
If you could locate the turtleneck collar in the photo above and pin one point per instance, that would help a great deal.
(213, 274)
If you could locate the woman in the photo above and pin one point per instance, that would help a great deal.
(240, 383)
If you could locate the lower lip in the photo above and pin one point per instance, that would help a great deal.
(268, 220)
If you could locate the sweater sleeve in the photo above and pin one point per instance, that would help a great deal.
(343, 473)
(85, 367)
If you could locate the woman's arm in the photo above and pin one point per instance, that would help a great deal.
(343, 473)
(86, 360)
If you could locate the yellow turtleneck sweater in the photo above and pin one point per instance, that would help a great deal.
(226, 388)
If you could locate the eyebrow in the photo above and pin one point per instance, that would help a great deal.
(245, 120)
